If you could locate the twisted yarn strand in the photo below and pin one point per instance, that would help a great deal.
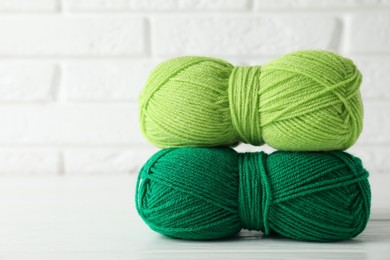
(244, 104)
(254, 190)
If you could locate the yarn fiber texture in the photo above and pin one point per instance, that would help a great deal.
(302, 101)
(212, 193)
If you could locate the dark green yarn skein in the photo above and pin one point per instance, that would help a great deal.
(212, 193)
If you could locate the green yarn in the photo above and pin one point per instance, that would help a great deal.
(212, 193)
(302, 101)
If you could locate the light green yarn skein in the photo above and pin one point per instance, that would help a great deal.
(302, 101)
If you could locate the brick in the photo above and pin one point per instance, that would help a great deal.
(376, 76)
(155, 5)
(301, 4)
(376, 124)
(71, 35)
(26, 81)
(370, 33)
(80, 124)
(28, 5)
(103, 161)
(102, 80)
(374, 158)
(241, 35)
(28, 162)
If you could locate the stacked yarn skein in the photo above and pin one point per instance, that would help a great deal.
(211, 193)
(305, 103)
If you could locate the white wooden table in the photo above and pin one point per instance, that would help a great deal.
(95, 218)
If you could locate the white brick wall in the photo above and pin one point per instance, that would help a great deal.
(71, 70)
(26, 81)
(73, 35)
(369, 33)
(154, 5)
(70, 124)
(28, 5)
(105, 80)
(319, 4)
(103, 161)
(22, 162)
(241, 35)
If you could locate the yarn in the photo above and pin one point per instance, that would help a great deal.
(212, 193)
(302, 101)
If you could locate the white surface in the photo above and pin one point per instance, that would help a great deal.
(95, 218)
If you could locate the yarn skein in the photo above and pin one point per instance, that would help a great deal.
(302, 101)
(212, 193)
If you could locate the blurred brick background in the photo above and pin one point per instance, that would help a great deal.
(71, 70)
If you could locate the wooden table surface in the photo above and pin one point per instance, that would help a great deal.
(95, 218)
